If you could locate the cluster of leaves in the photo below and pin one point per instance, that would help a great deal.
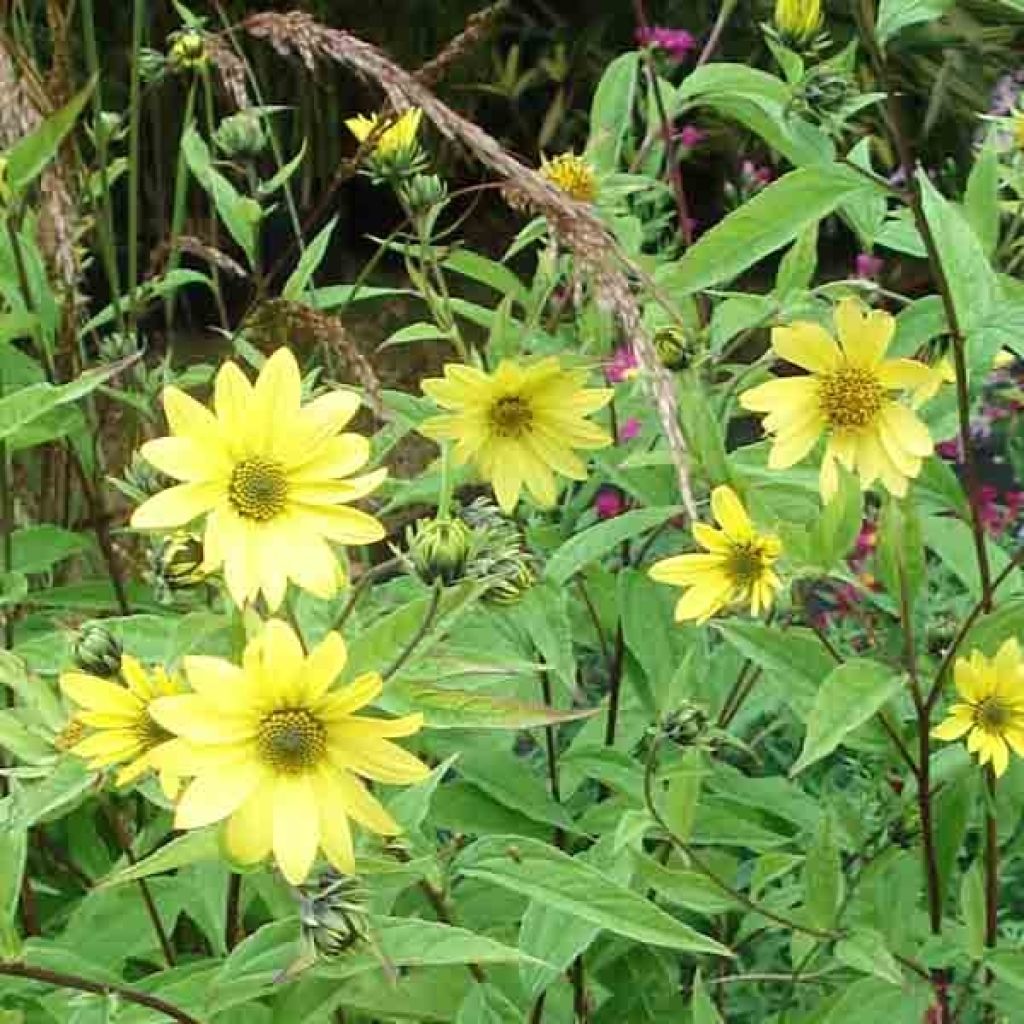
(627, 818)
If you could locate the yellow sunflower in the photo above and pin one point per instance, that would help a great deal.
(798, 21)
(848, 397)
(276, 750)
(572, 175)
(125, 732)
(519, 425)
(268, 474)
(992, 710)
(397, 138)
(737, 568)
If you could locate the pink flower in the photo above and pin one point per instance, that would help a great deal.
(691, 136)
(629, 430)
(622, 365)
(677, 43)
(609, 503)
(868, 266)
(949, 449)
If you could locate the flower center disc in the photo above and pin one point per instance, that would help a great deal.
(991, 714)
(850, 397)
(745, 564)
(258, 489)
(510, 416)
(292, 741)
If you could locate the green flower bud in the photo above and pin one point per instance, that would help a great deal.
(686, 725)
(333, 914)
(188, 50)
(178, 561)
(5, 184)
(423, 192)
(511, 580)
(97, 651)
(439, 549)
(144, 477)
(673, 347)
(241, 136)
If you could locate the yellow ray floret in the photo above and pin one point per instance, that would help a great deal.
(991, 710)
(122, 730)
(798, 21)
(852, 395)
(272, 478)
(520, 425)
(572, 175)
(736, 570)
(397, 138)
(276, 749)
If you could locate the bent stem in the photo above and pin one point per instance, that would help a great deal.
(418, 637)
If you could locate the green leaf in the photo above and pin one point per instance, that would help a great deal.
(27, 157)
(610, 112)
(772, 219)
(797, 267)
(954, 803)
(13, 588)
(703, 429)
(981, 200)
(65, 786)
(539, 871)
(413, 333)
(864, 949)
(989, 632)
(896, 15)
(193, 847)
(701, 1006)
(823, 877)
(38, 548)
(1008, 966)
(13, 854)
(899, 557)
(597, 541)
(309, 263)
(870, 1001)
(972, 906)
(543, 616)
(485, 1004)
(486, 271)
(952, 540)
(849, 697)
(835, 531)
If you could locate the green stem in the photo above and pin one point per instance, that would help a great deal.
(180, 196)
(447, 487)
(418, 637)
(139, 18)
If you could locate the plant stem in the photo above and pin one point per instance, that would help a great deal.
(7, 531)
(615, 668)
(717, 30)
(61, 979)
(139, 17)
(234, 929)
(359, 588)
(991, 862)
(418, 636)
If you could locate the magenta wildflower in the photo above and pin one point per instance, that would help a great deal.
(868, 266)
(691, 136)
(622, 366)
(609, 503)
(676, 43)
(629, 430)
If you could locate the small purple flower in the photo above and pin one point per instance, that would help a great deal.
(691, 136)
(622, 366)
(868, 266)
(609, 503)
(676, 43)
(629, 430)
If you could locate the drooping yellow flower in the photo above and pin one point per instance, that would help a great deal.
(737, 569)
(268, 474)
(125, 733)
(277, 750)
(847, 396)
(396, 139)
(572, 175)
(798, 21)
(991, 713)
(519, 425)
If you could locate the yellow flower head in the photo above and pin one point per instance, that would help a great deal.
(276, 749)
(125, 732)
(798, 21)
(268, 474)
(737, 569)
(572, 175)
(847, 397)
(519, 425)
(394, 140)
(991, 712)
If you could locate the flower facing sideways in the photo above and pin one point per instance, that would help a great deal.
(798, 21)
(847, 396)
(519, 425)
(272, 477)
(737, 568)
(279, 751)
(991, 710)
(572, 175)
(393, 141)
(124, 731)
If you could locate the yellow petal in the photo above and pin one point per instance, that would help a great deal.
(335, 833)
(188, 418)
(232, 401)
(99, 694)
(276, 398)
(325, 664)
(217, 681)
(952, 728)
(282, 662)
(379, 728)
(864, 335)
(197, 719)
(335, 457)
(296, 827)
(710, 538)
(357, 694)
(376, 759)
(215, 795)
(249, 831)
(912, 433)
(730, 514)
(187, 458)
(808, 345)
(176, 506)
(362, 806)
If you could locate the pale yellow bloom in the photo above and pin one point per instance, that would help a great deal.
(271, 476)
(798, 21)
(519, 425)
(278, 751)
(991, 712)
(737, 569)
(847, 397)
(572, 175)
(125, 732)
(397, 138)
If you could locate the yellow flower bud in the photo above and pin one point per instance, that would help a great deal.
(798, 21)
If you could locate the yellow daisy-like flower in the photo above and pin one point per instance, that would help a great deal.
(991, 713)
(737, 569)
(847, 396)
(519, 425)
(798, 21)
(572, 175)
(276, 750)
(267, 474)
(125, 733)
(399, 137)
